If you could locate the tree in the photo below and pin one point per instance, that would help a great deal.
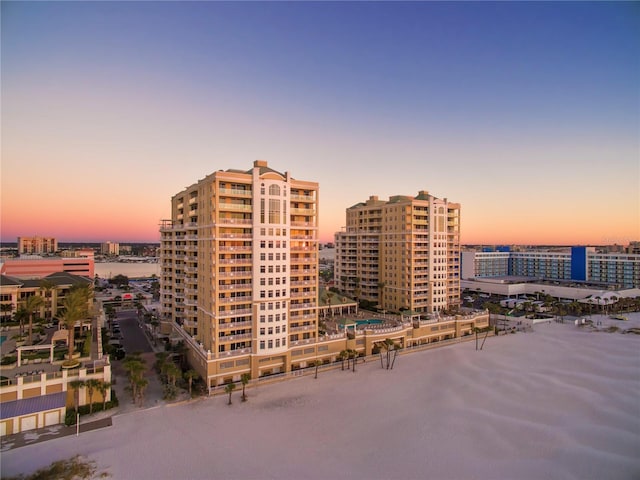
(6, 308)
(354, 355)
(76, 385)
(141, 386)
(47, 286)
(75, 305)
(244, 378)
(134, 366)
(229, 388)
(103, 388)
(190, 375)
(342, 356)
(92, 385)
(172, 371)
(32, 305)
(21, 315)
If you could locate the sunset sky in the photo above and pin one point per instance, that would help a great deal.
(525, 113)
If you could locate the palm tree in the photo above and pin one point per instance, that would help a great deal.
(229, 388)
(244, 378)
(172, 371)
(397, 347)
(20, 315)
(353, 354)
(141, 385)
(134, 365)
(76, 385)
(92, 385)
(6, 308)
(103, 388)
(342, 356)
(75, 308)
(48, 286)
(32, 304)
(190, 375)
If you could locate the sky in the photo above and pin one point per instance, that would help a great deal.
(527, 114)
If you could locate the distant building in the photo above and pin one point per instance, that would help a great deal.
(110, 248)
(37, 245)
(402, 254)
(38, 267)
(581, 264)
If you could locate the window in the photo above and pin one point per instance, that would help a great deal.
(262, 331)
(263, 257)
(270, 330)
(261, 344)
(277, 342)
(270, 343)
(262, 317)
(274, 190)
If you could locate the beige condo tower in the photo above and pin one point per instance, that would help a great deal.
(240, 264)
(402, 254)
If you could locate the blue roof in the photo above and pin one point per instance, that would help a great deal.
(27, 406)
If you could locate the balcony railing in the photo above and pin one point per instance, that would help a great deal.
(229, 338)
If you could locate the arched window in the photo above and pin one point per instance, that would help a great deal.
(274, 190)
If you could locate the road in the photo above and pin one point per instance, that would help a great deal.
(133, 338)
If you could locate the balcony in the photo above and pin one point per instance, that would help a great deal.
(241, 248)
(303, 328)
(235, 313)
(234, 207)
(235, 338)
(234, 192)
(235, 221)
(236, 286)
(242, 299)
(235, 325)
(235, 261)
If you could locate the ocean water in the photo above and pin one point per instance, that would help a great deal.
(108, 270)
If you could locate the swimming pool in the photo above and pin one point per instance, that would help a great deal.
(370, 321)
(2, 339)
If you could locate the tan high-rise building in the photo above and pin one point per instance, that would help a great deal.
(37, 245)
(239, 264)
(403, 253)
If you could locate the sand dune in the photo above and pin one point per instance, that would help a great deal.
(559, 402)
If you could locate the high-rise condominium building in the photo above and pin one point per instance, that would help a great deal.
(403, 253)
(37, 245)
(239, 264)
(110, 248)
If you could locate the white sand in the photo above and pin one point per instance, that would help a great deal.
(557, 403)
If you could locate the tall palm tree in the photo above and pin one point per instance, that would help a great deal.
(172, 371)
(92, 385)
(76, 385)
(141, 386)
(32, 305)
(21, 315)
(103, 388)
(342, 356)
(75, 305)
(190, 375)
(229, 388)
(48, 286)
(244, 378)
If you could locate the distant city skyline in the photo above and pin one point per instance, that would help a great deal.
(525, 113)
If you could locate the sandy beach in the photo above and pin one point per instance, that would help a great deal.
(559, 402)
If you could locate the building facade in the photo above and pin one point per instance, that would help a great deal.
(402, 254)
(38, 267)
(581, 264)
(239, 263)
(37, 245)
(110, 248)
